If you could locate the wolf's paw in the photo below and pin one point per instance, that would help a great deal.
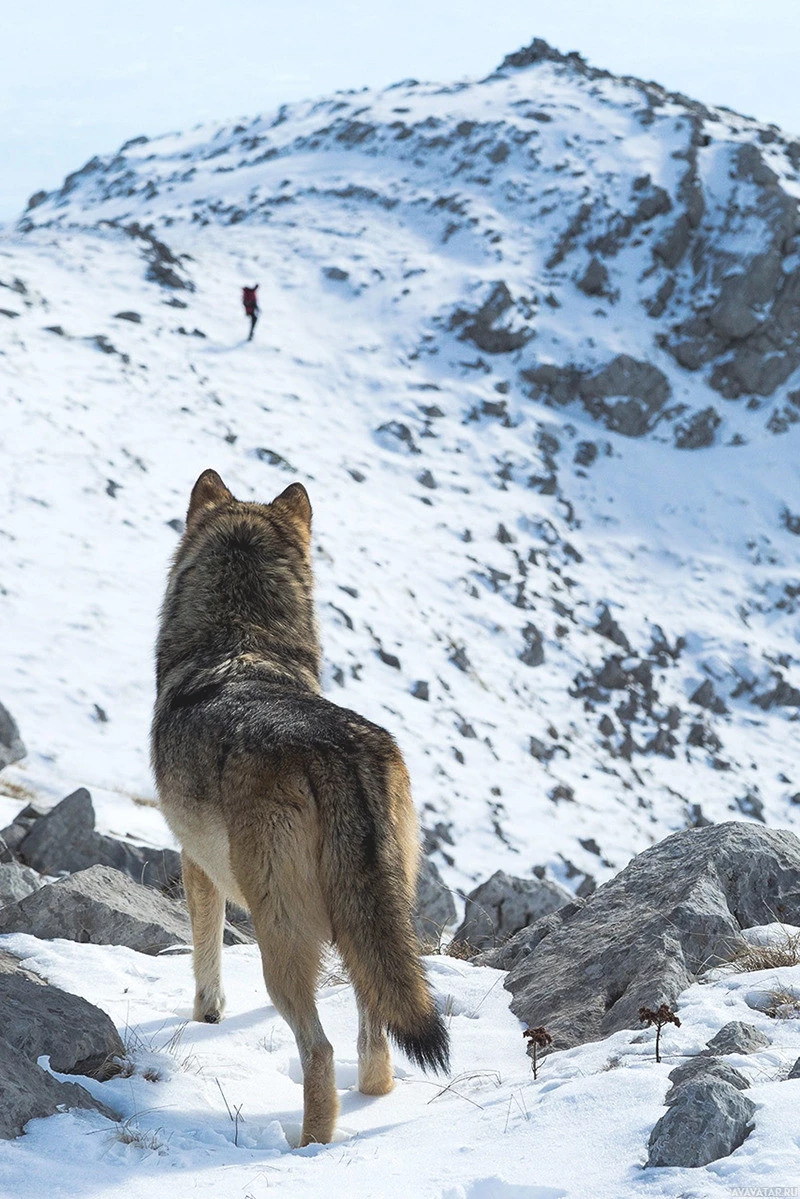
(209, 1006)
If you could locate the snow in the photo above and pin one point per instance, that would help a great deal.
(491, 1130)
(107, 424)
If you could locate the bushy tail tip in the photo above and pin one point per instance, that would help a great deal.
(428, 1046)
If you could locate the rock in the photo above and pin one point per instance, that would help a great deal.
(104, 907)
(16, 882)
(626, 395)
(698, 431)
(607, 627)
(795, 1070)
(704, 1069)
(420, 690)
(706, 697)
(435, 909)
(29, 1093)
(737, 1037)
(503, 905)
(11, 747)
(65, 840)
(707, 1120)
(39, 1019)
(643, 937)
(394, 435)
(533, 653)
(14, 834)
(523, 943)
(489, 327)
(594, 281)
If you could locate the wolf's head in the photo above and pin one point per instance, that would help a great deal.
(241, 583)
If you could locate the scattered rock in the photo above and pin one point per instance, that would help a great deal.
(642, 938)
(607, 627)
(394, 435)
(795, 1070)
(40, 1019)
(336, 274)
(11, 747)
(503, 905)
(706, 697)
(435, 908)
(708, 1119)
(133, 317)
(65, 840)
(737, 1037)
(698, 432)
(594, 280)
(421, 690)
(491, 326)
(533, 653)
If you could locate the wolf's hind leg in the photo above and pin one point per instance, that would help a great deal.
(374, 1058)
(291, 968)
(207, 913)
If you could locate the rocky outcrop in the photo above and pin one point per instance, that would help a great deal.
(627, 395)
(435, 909)
(643, 937)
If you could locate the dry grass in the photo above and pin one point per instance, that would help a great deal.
(9, 790)
(136, 1043)
(784, 951)
(783, 1005)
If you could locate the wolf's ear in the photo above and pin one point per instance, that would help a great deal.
(208, 492)
(295, 504)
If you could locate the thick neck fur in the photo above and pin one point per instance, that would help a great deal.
(239, 603)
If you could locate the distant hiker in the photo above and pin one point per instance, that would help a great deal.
(250, 302)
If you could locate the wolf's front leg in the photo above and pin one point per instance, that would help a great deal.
(207, 912)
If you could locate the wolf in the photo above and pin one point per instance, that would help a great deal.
(283, 802)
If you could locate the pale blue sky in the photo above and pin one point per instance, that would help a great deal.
(79, 77)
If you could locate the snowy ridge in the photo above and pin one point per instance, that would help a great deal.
(492, 314)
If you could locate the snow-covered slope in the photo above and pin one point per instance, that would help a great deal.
(530, 342)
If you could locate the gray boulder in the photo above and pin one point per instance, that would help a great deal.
(795, 1070)
(643, 937)
(435, 909)
(105, 907)
(504, 904)
(29, 1093)
(737, 1037)
(11, 747)
(64, 839)
(39, 1019)
(704, 1069)
(707, 1121)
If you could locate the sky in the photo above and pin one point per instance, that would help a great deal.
(79, 79)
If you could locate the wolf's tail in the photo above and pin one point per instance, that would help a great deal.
(370, 883)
